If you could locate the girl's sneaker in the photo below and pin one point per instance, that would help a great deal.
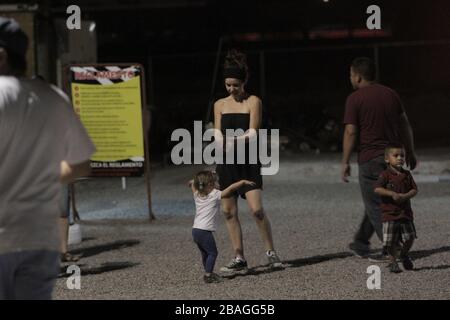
(212, 278)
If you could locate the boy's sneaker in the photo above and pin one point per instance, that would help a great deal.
(407, 263)
(393, 267)
(212, 278)
(235, 265)
(357, 251)
(274, 261)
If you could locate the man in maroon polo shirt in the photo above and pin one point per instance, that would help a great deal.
(374, 117)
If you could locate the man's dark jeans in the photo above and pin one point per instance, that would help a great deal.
(368, 175)
(28, 275)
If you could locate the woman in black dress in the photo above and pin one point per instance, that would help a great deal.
(241, 111)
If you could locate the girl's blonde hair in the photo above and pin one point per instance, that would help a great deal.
(202, 180)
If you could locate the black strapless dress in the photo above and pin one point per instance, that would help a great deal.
(231, 173)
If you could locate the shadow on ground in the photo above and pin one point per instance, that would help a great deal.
(255, 271)
(91, 270)
(264, 269)
(94, 250)
(297, 263)
(440, 267)
(316, 259)
(419, 254)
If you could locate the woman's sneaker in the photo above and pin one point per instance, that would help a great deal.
(235, 265)
(274, 261)
(212, 278)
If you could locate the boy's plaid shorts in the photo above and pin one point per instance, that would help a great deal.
(394, 231)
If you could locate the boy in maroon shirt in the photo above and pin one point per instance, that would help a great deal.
(396, 187)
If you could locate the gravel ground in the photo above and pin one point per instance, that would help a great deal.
(313, 218)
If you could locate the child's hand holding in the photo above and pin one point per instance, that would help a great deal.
(396, 196)
(399, 197)
(190, 183)
(248, 183)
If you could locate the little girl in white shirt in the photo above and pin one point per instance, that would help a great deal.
(207, 209)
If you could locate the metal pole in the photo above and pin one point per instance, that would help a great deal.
(214, 80)
(376, 54)
(262, 75)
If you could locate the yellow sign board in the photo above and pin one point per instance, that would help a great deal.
(108, 100)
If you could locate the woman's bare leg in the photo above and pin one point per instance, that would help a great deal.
(230, 210)
(254, 200)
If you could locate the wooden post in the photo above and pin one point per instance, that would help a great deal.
(146, 127)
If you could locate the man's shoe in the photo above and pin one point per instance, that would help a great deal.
(212, 278)
(407, 263)
(67, 257)
(274, 261)
(357, 251)
(394, 268)
(235, 265)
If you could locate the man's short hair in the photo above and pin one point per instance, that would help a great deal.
(365, 67)
(17, 63)
(391, 146)
(14, 40)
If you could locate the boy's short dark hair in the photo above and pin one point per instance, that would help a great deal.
(365, 67)
(391, 146)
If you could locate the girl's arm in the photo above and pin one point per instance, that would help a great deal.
(228, 192)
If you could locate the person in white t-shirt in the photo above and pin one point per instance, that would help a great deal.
(43, 145)
(207, 209)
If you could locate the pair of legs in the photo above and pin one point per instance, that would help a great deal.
(230, 208)
(398, 238)
(207, 245)
(28, 275)
(371, 223)
(64, 225)
(398, 250)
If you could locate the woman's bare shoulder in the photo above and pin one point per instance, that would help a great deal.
(254, 101)
(219, 103)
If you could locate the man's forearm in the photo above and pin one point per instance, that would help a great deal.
(407, 136)
(71, 172)
(348, 146)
